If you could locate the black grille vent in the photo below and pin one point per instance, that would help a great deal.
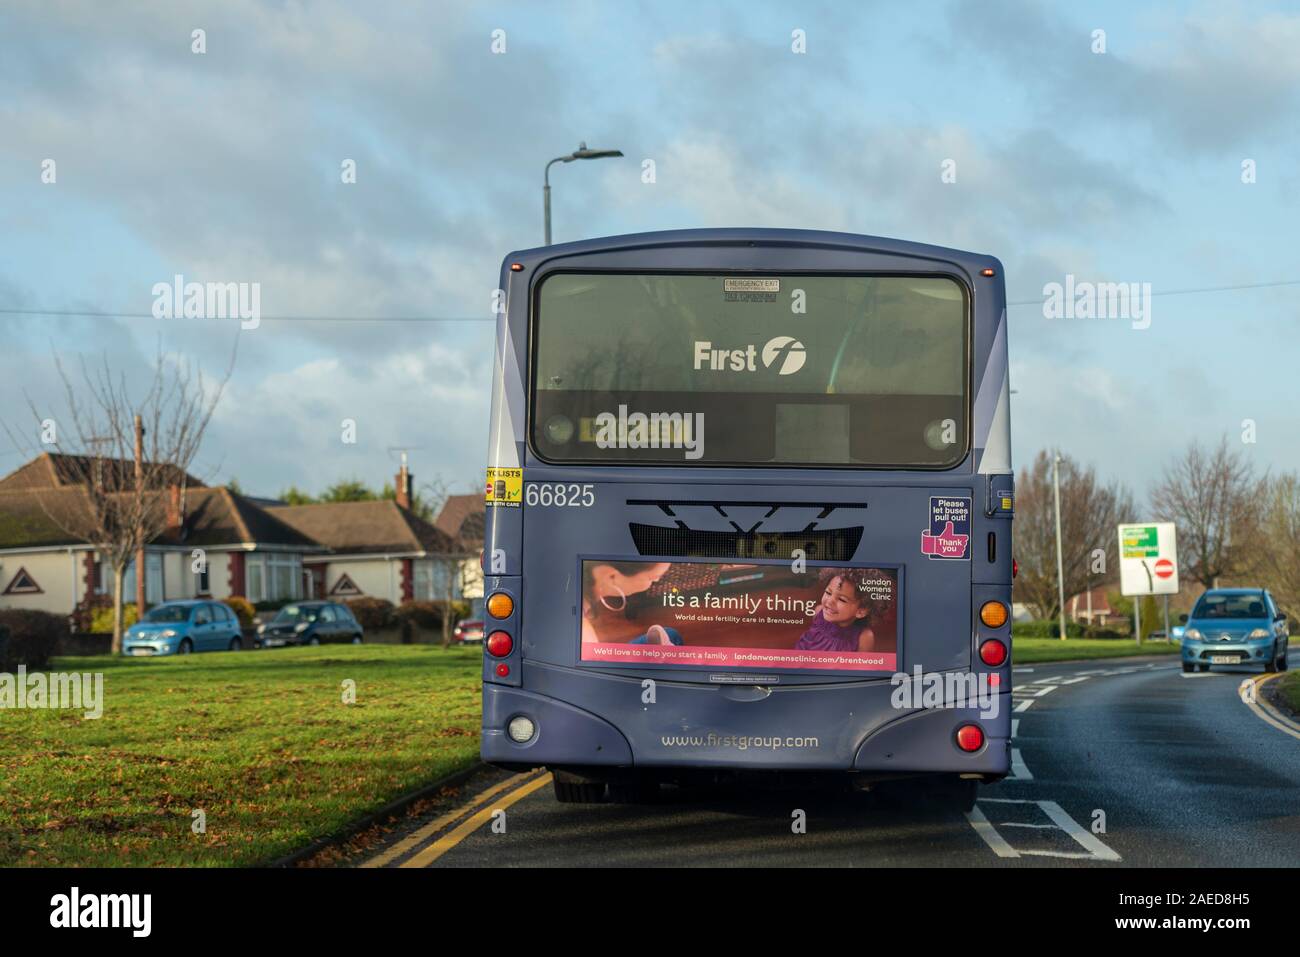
(823, 545)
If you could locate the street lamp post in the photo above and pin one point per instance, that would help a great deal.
(1060, 566)
(581, 153)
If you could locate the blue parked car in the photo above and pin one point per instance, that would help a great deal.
(1235, 626)
(180, 627)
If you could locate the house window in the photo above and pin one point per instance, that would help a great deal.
(345, 586)
(431, 580)
(273, 577)
(153, 581)
(254, 580)
(422, 587)
(23, 584)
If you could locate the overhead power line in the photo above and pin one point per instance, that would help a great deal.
(104, 314)
(109, 314)
(1187, 292)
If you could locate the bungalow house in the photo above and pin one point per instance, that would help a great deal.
(217, 543)
(220, 543)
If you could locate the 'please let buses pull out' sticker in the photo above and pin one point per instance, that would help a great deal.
(505, 487)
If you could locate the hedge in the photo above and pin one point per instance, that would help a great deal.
(29, 638)
(1045, 629)
(371, 613)
(428, 614)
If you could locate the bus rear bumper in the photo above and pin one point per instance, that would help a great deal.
(564, 734)
(917, 742)
(925, 742)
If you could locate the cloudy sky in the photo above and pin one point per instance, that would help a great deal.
(225, 166)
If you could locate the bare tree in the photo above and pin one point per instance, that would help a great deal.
(455, 565)
(109, 497)
(1213, 496)
(1278, 564)
(1090, 510)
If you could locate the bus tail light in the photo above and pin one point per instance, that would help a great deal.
(500, 605)
(993, 614)
(499, 644)
(993, 653)
(970, 737)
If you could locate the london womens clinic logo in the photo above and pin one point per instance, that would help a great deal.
(785, 354)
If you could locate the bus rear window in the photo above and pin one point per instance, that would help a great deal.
(776, 370)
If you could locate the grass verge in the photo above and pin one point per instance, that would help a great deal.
(1026, 651)
(261, 742)
(1287, 690)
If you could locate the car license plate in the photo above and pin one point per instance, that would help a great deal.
(141, 651)
(274, 642)
(1225, 659)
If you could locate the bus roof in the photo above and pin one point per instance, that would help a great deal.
(759, 236)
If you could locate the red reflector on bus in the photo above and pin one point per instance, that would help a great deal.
(970, 737)
(1015, 568)
(503, 670)
(499, 644)
(993, 653)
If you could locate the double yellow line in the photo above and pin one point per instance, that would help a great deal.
(1256, 702)
(496, 798)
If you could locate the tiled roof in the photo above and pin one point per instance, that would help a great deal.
(51, 470)
(353, 527)
(213, 516)
(462, 518)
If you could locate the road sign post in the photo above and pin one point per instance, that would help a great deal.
(1148, 565)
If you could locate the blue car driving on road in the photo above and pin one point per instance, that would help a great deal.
(1235, 626)
(180, 627)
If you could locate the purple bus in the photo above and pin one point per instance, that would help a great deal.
(749, 500)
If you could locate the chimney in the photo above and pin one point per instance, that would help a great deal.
(174, 516)
(403, 485)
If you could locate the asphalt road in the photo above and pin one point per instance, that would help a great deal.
(1184, 772)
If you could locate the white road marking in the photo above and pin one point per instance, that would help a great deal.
(1019, 770)
(1015, 727)
(1075, 681)
(1022, 671)
(991, 837)
(1096, 850)
(1048, 690)
(1023, 706)
(1084, 837)
(1046, 827)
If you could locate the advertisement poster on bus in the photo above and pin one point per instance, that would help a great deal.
(740, 616)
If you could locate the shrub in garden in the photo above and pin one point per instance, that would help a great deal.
(101, 618)
(32, 638)
(243, 610)
(426, 615)
(371, 613)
